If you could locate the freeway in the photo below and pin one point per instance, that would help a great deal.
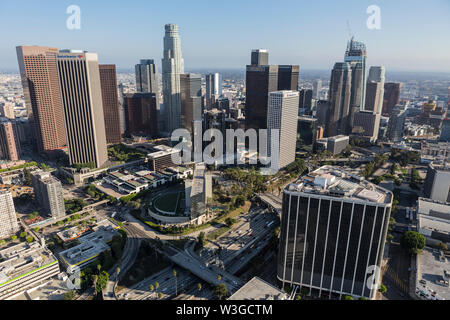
(167, 286)
(130, 252)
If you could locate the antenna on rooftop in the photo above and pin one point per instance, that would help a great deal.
(349, 30)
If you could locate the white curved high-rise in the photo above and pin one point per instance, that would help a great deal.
(172, 67)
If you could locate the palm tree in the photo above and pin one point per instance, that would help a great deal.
(199, 287)
(176, 282)
(94, 280)
(159, 295)
(219, 277)
(99, 267)
(151, 288)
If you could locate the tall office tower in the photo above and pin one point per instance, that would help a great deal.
(260, 57)
(437, 182)
(306, 130)
(333, 231)
(366, 123)
(7, 110)
(122, 116)
(141, 114)
(373, 97)
(323, 112)
(305, 101)
(48, 193)
(356, 56)
(110, 101)
(8, 219)
(213, 89)
(146, 76)
(172, 68)
(288, 77)
(339, 97)
(9, 141)
(376, 75)
(317, 88)
(191, 99)
(391, 97)
(356, 91)
(282, 115)
(260, 80)
(396, 124)
(39, 73)
(445, 131)
(83, 107)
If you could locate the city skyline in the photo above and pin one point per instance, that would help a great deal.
(295, 37)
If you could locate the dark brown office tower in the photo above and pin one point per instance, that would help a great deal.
(391, 97)
(260, 57)
(305, 100)
(191, 99)
(288, 77)
(39, 73)
(373, 90)
(110, 100)
(9, 141)
(260, 80)
(339, 97)
(140, 114)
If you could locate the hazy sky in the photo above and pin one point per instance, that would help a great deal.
(414, 35)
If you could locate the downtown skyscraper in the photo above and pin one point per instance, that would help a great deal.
(261, 79)
(147, 78)
(282, 115)
(108, 80)
(172, 68)
(333, 232)
(356, 56)
(39, 74)
(339, 116)
(213, 89)
(83, 107)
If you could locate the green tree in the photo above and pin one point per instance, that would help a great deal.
(347, 297)
(413, 242)
(102, 281)
(199, 287)
(240, 201)
(151, 288)
(382, 288)
(201, 239)
(443, 246)
(221, 291)
(69, 295)
(27, 177)
(13, 238)
(229, 221)
(175, 274)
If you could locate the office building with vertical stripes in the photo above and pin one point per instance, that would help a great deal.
(333, 231)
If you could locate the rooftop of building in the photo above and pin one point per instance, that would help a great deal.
(162, 150)
(90, 246)
(22, 258)
(334, 182)
(258, 289)
(198, 181)
(433, 223)
(431, 267)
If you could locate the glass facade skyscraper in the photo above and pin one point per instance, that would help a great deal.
(333, 228)
(172, 68)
